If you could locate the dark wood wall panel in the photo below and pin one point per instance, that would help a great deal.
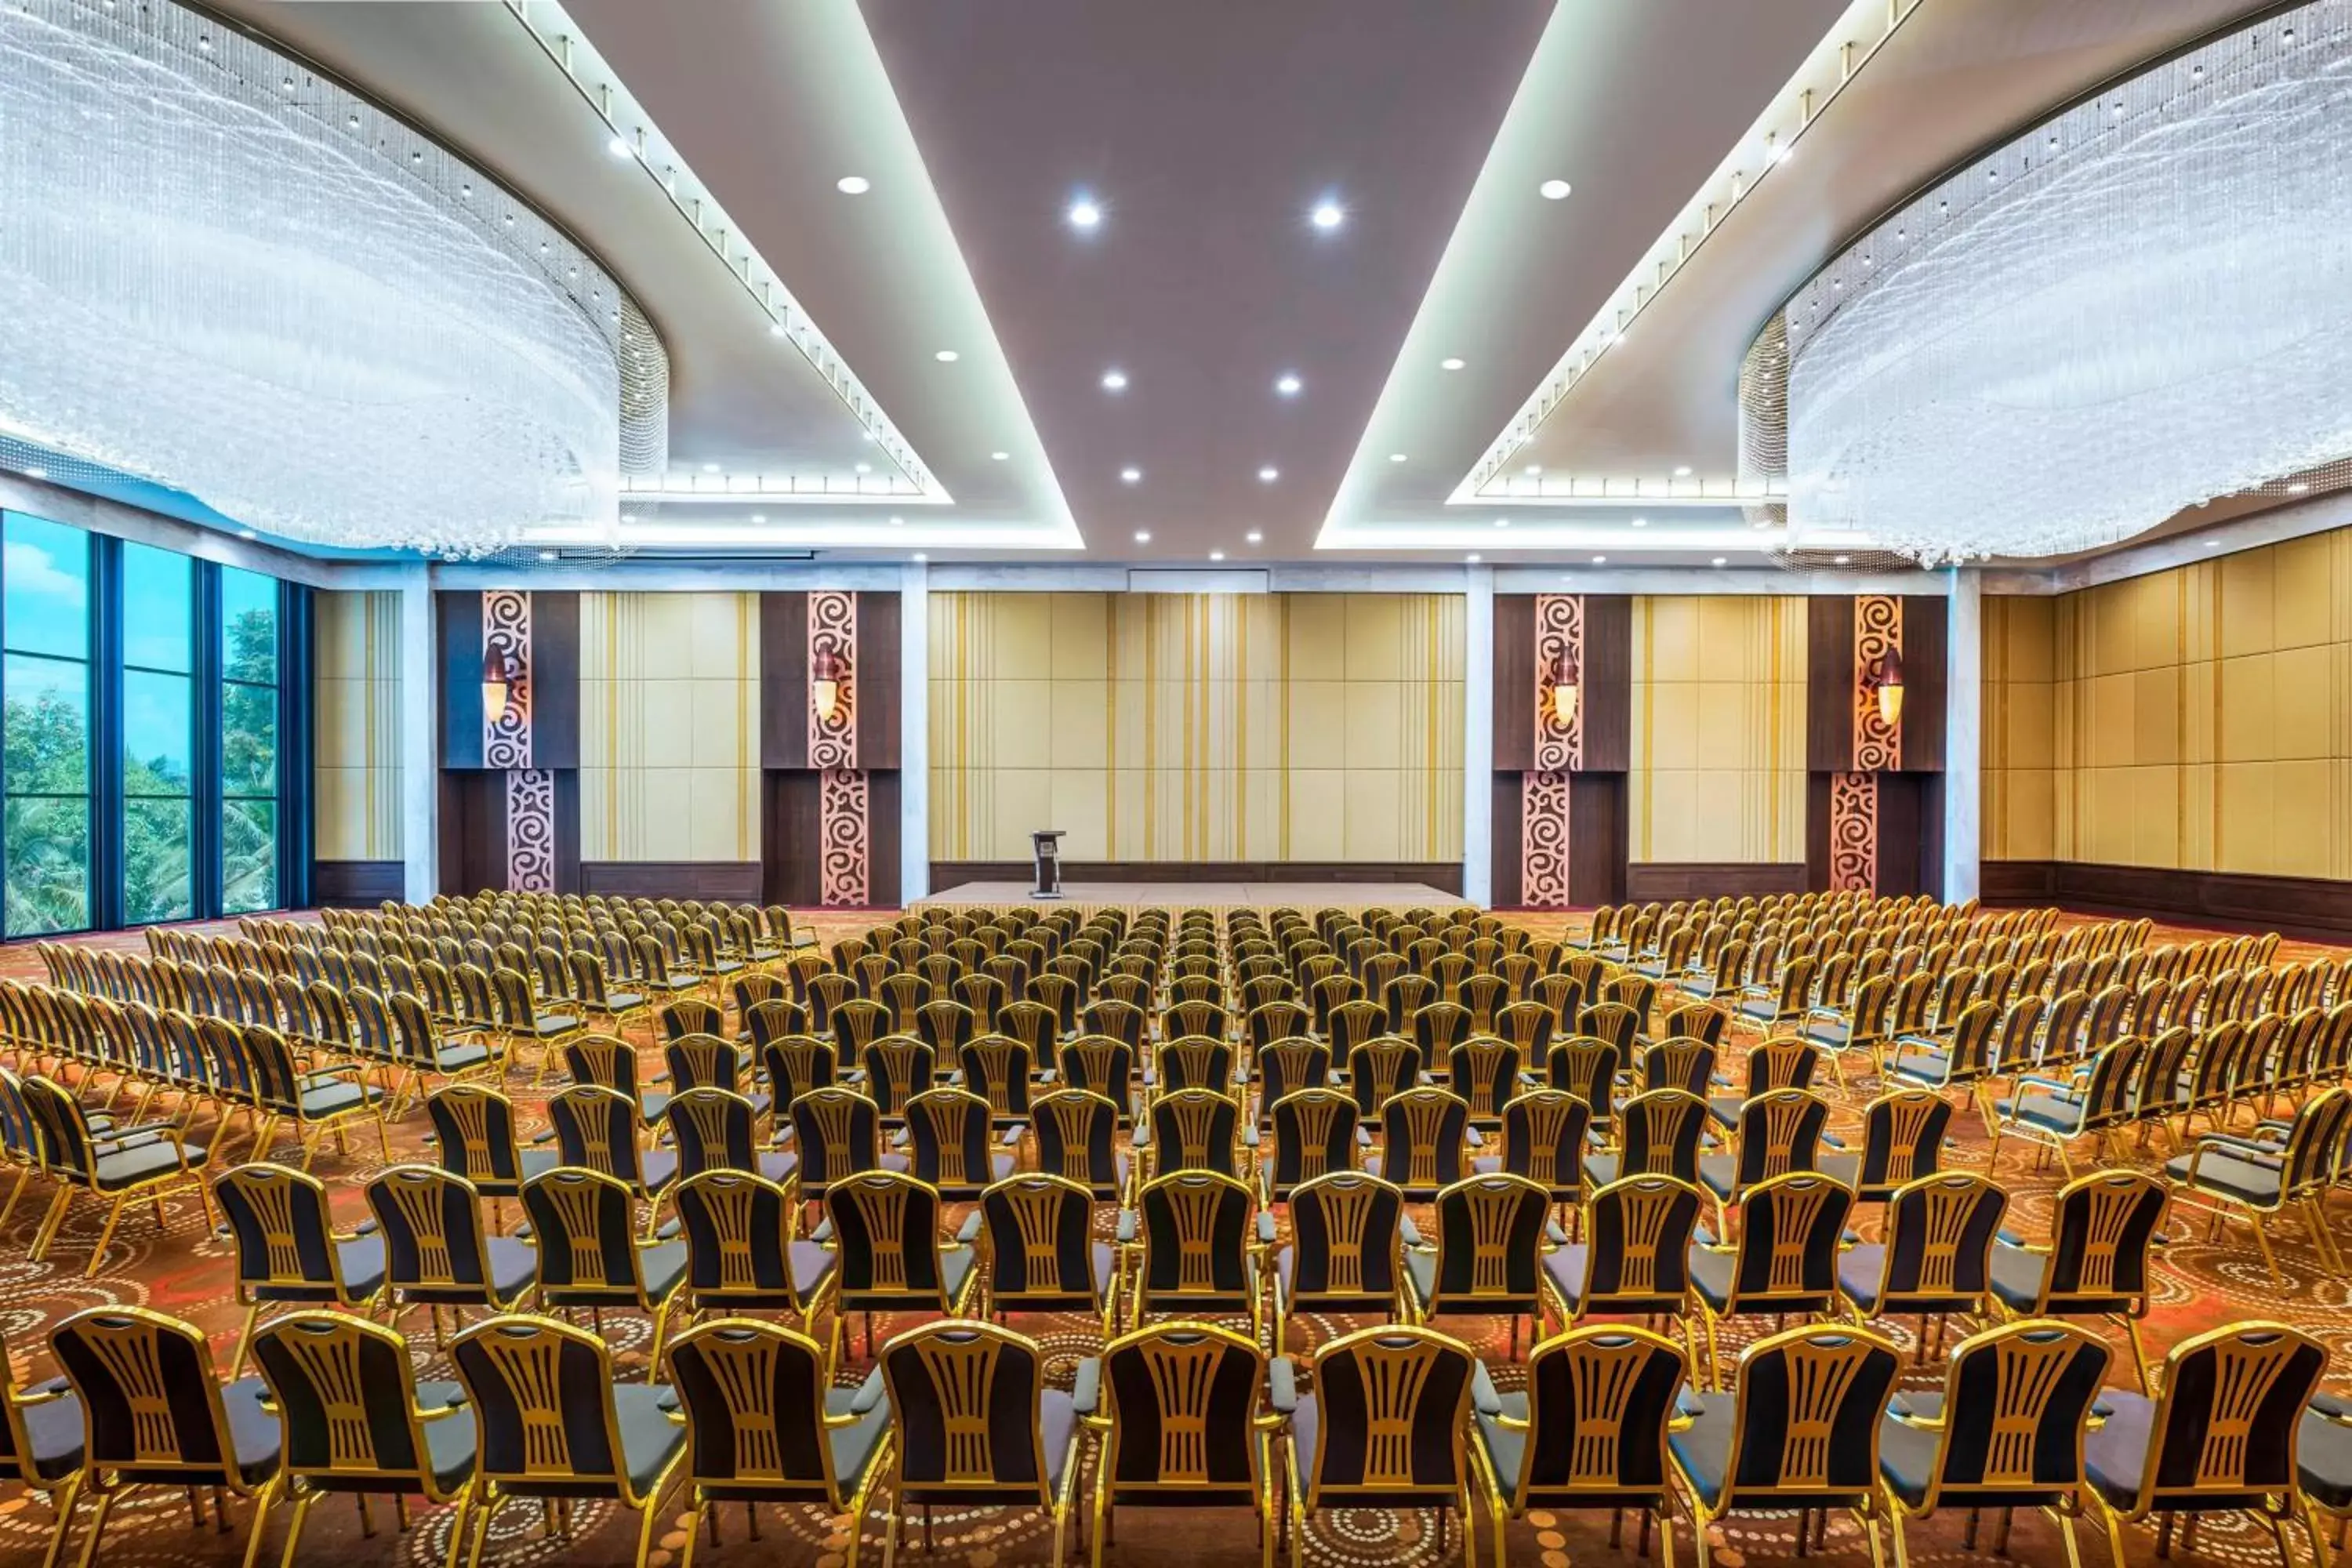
(2310, 908)
(1898, 871)
(473, 830)
(1926, 637)
(1515, 683)
(1505, 885)
(735, 882)
(457, 631)
(883, 839)
(788, 848)
(783, 680)
(357, 884)
(554, 681)
(1608, 700)
(1599, 824)
(1828, 683)
(1650, 881)
(878, 681)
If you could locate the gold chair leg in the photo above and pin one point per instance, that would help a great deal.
(293, 1528)
(890, 1527)
(97, 1528)
(457, 1526)
(244, 1342)
(63, 1500)
(105, 1236)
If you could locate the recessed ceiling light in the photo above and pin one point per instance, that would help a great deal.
(1143, 536)
(2297, 487)
(1396, 457)
(1718, 561)
(1254, 536)
(947, 356)
(865, 468)
(1502, 522)
(247, 534)
(1641, 522)
(1682, 470)
(1840, 560)
(617, 147)
(1287, 384)
(1449, 365)
(852, 185)
(1532, 469)
(999, 457)
(1328, 215)
(897, 523)
(36, 472)
(628, 517)
(710, 468)
(1217, 555)
(1114, 380)
(1472, 558)
(1554, 190)
(759, 517)
(776, 329)
(1130, 476)
(1601, 560)
(1084, 214)
(919, 556)
(2212, 544)
(547, 555)
(1267, 476)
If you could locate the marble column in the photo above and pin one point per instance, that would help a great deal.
(1964, 736)
(1478, 739)
(913, 733)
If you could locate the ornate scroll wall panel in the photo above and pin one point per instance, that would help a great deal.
(1560, 809)
(1559, 639)
(1875, 787)
(833, 633)
(1543, 839)
(531, 830)
(506, 634)
(845, 865)
(830, 823)
(1877, 636)
(509, 789)
(1854, 832)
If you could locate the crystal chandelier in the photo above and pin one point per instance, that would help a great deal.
(2139, 305)
(224, 274)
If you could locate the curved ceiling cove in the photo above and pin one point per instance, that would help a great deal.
(2137, 306)
(224, 274)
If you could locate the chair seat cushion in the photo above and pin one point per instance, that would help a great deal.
(548, 1024)
(2017, 1276)
(253, 1430)
(450, 1448)
(1712, 1274)
(1922, 1066)
(956, 1264)
(2236, 1176)
(1858, 1273)
(650, 1440)
(1421, 1271)
(1906, 1454)
(1507, 1447)
(1601, 1169)
(361, 1262)
(142, 1161)
(659, 1168)
(2052, 1112)
(514, 1265)
(856, 1444)
(1720, 1173)
(1702, 1450)
(54, 1430)
(622, 1001)
(777, 1167)
(339, 1098)
(661, 1267)
(1827, 1032)
(2114, 1454)
(2323, 1455)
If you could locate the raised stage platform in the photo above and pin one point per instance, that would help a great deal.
(1206, 895)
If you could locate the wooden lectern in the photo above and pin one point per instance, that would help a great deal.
(1047, 844)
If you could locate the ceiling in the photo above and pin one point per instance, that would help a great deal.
(1207, 134)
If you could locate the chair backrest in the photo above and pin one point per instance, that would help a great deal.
(1039, 1238)
(964, 1400)
(149, 1396)
(2223, 1434)
(604, 1060)
(1688, 1065)
(2016, 1401)
(1196, 1233)
(753, 1397)
(2100, 1234)
(1781, 1131)
(711, 1128)
(837, 1132)
(596, 1129)
(948, 1135)
(1380, 1068)
(346, 1398)
(473, 1132)
(1789, 1231)
(1347, 1235)
(583, 1224)
(1484, 1071)
(1586, 1067)
(432, 1227)
(1599, 1401)
(1183, 1404)
(542, 1398)
(1544, 1135)
(1194, 1061)
(1393, 1405)
(1805, 1425)
(1639, 1230)
(1660, 1133)
(1194, 1129)
(1076, 1134)
(1490, 1244)
(284, 1232)
(1314, 1133)
(701, 1060)
(1422, 1133)
(999, 1069)
(886, 1228)
(1939, 1237)
(739, 1237)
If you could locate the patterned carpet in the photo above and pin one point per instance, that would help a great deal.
(185, 1272)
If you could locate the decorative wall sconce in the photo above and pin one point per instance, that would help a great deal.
(497, 681)
(1884, 680)
(1567, 690)
(826, 677)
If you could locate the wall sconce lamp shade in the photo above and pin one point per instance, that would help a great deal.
(1886, 682)
(498, 681)
(825, 679)
(1567, 691)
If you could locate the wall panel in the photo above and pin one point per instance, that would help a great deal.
(1272, 728)
(670, 719)
(1718, 730)
(356, 680)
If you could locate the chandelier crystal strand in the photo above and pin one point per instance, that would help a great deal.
(2136, 307)
(221, 273)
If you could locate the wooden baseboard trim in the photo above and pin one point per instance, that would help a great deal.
(1445, 875)
(735, 882)
(2314, 908)
(1648, 882)
(356, 884)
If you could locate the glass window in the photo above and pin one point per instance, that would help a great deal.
(45, 608)
(249, 740)
(159, 735)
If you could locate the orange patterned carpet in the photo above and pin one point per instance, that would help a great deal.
(186, 1272)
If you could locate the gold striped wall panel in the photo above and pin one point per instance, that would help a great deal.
(670, 727)
(1719, 738)
(357, 764)
(1198, 727)
(2019, 728)
(2202, 718)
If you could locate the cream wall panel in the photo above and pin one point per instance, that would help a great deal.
(670, 727)
(356, 697)
(1191, 721)
(1718, 729)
